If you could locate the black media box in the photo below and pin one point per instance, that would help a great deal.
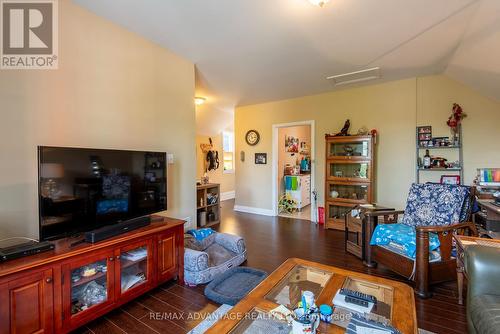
(107, 232)
(24, 249)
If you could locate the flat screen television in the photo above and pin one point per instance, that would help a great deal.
(81, 189)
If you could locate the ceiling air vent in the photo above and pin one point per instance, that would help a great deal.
(354, 77)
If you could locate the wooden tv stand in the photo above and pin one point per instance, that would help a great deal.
(43, 293)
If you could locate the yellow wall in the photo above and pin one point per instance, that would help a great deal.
(481, 135)
(113, 89)
(226, 180)
(391, 108)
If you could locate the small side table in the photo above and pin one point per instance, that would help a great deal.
(358, 231)
(462, 242)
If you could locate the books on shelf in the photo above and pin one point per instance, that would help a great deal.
(136, 254)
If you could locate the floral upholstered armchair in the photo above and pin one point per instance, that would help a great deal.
(420, 247)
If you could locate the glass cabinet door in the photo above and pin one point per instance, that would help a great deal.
(358, 171)
(337, 212)
(90, 285)
(349, 150)
(134, 267)
(352, 193)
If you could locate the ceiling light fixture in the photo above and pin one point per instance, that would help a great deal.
(354, 77)
(199, 100)
(319, 3)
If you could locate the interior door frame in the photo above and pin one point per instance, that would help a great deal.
(276, 128)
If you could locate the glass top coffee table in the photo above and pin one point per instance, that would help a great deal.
(284, 286)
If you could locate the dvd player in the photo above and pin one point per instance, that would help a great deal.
(24, 249)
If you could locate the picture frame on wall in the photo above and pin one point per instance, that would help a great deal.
(424, 136)
(450, 179)
(291, 144)
(260, 158)
(424, 129)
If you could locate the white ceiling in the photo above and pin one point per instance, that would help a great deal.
(251, 51)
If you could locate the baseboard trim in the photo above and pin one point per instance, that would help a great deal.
(256, 211)
(227, 195)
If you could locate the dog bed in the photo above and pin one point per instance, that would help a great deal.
(233, 285)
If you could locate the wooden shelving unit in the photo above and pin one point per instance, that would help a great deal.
(349, 177)
(456, 148)
(208, 204)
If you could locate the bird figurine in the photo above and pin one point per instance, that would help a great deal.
(345, 129)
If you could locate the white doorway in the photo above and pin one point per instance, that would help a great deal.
(292, 144)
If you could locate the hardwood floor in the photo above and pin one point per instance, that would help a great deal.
(270, 241)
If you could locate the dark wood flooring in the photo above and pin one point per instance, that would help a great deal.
(270, 241)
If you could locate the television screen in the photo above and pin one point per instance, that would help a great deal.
(82, 189)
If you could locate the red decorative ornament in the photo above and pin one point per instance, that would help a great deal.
(457, 115)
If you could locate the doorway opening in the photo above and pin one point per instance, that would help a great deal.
(293, 170)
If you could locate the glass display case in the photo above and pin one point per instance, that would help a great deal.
(339, 170)
(133, 268)
(89, 286)
(289, 291)
(349, 176)
(92, 283)
(353, 193)
(338, 211)
(349, 149)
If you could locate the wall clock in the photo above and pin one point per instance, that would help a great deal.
(252, 137)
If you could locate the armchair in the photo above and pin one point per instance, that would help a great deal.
(421, 246)
(483, 293)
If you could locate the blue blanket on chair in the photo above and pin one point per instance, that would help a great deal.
(402, 235)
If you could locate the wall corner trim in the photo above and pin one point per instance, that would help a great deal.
(257, 211)
(227, 195)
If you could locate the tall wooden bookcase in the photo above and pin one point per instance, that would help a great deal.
(349, 178)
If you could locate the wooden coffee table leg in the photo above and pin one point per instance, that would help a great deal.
(460, 283)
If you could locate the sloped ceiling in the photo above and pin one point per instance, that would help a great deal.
(476, 61)
(252, 51)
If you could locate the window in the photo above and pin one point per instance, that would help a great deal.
(228, 151)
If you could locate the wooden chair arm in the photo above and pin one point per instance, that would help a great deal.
(448, 228)
(445, 234)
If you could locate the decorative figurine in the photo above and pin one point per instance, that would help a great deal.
(454, 122)
(363, 131)
(345, 129)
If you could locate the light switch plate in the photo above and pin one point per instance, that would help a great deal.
(170, 158)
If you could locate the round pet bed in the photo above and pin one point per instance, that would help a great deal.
(233, 285)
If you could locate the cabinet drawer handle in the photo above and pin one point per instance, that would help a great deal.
(160, 241)
(48, 280)
(118, 257)
(111, 259)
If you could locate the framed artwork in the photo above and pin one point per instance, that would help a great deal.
(260, 158)
(424, 143)
(424, 129)
(450, 179)
(424, 136)
(291, 144)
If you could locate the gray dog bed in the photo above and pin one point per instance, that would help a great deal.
(233, 285)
